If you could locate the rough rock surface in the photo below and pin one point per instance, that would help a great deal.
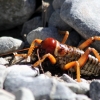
(8, 44)
(95, 90)
(42, 33)
(83, 16)
(57, 4)
(13, 12)
(31, 25)
(56, 21)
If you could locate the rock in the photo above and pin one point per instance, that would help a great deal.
(50, 88)
(74, 38)
(82, 16)
(68, 79)
(41, 88)
(43, 33)
(77, 87)
(8, 44)
(22, 71)
(82, 97)
(3, 74)
(24, 94)
(4, 95)
(84, 87)
(14, 13)
(3, 61)
(31, 25)
(57, 4)
(56, 21)
(95, 90)
(42, 76)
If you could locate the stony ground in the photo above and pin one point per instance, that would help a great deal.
(25, 20)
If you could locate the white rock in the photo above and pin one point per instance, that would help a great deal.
(3, 61)
(4, 95)
(8, 44)
(3, 74)
(24, 94)
(22, 70)
(77, 87)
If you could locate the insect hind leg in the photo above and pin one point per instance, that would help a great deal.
(66, 34)
(88, 42)
(81, 62)
(38, 41)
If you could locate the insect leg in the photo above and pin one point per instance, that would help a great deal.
(76, 64)
(88, 42)
(66, 34)
(65, 37)
(82, 60)
(38, 41)
(20, 55)
(50, 56)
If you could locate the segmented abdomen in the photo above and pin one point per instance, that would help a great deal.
(91, 67)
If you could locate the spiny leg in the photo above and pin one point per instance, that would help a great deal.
(72, 64)
(82, 60)
(50, 56)
(88, 42)
(65, 37)
(66, 34)
(38, 41)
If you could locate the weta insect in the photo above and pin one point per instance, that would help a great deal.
(68, 57)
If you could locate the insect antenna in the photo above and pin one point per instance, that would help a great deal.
(40, 62)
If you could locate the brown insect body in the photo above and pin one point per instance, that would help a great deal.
(67, 57)
(67, 54)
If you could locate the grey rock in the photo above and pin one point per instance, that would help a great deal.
(77, 87)
(41, 88)
(3, 61)
(14, 13)
(57, 4)
(43, 33)
(82, 97)
(42, 76)
(74, 38)
(68, 79)
(22, 71)
(24, 94)
(8, 44)
(82, 16)
(56, 21)
(95, 90)
(3, 74)
(4, 95)
(31, 25)
(84, 87)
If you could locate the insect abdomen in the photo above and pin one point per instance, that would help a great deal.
(91, 67)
